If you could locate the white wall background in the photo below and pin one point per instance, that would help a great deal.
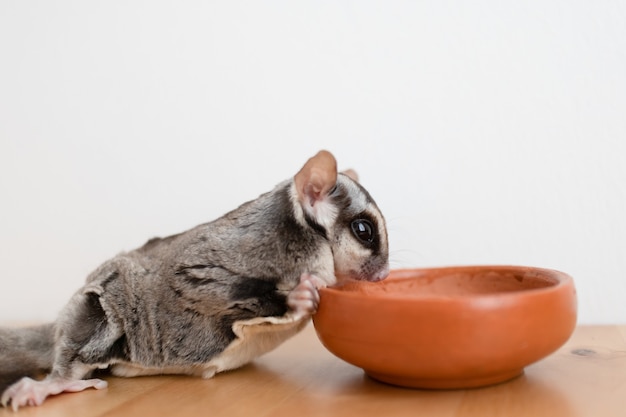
(488, 131)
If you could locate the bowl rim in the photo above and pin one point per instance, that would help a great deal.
(561, 279)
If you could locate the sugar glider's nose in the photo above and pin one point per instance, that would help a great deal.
(382, 274)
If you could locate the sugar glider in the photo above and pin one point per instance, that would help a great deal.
(210, 299)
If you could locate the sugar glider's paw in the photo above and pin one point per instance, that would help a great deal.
(27, 391)
(304, 299)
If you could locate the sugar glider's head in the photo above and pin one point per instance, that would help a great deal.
(339, 208)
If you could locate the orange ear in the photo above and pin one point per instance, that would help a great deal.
(316, 178)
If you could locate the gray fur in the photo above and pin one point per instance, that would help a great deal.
(173, 301)
(25, 352)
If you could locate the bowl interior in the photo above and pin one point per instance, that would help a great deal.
(453, 282)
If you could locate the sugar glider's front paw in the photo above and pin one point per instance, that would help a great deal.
(304, 299)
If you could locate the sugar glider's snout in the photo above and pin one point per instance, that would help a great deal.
(374, 271)
(378, 275)
(381, 274)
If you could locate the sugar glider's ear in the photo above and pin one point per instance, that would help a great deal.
(314, 182)
(350, 173)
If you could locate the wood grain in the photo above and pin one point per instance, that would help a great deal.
(586, 377)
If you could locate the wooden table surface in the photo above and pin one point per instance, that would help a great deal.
(586, 377)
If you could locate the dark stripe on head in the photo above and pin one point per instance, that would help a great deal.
(315, 226)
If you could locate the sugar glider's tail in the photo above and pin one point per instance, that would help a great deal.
(27, 351)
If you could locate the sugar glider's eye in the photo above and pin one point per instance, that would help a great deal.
(363, 230)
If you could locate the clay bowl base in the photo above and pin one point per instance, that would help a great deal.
(436, 384)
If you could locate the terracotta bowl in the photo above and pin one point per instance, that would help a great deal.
(444, 328)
